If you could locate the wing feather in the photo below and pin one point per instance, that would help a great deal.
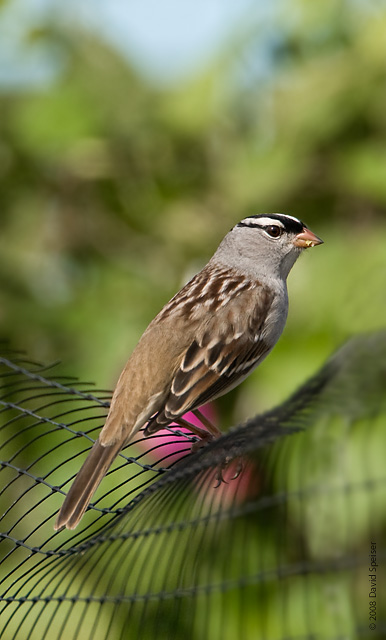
(213, 364)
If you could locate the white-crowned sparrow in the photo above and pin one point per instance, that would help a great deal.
(204, 342)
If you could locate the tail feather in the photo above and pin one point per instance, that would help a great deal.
(85, 484)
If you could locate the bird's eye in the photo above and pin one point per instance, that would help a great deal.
(274, 231)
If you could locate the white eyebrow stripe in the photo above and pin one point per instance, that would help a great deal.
(285, 215)
(262, 222)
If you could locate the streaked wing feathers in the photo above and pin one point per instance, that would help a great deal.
(212, 376)
(216, 362)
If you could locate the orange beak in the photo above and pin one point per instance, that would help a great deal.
(306, 239)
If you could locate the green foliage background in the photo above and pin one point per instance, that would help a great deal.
(114, 192)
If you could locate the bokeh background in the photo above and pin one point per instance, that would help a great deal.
(133, 136)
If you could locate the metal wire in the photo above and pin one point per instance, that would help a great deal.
(278, 552)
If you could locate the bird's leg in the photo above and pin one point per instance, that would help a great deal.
(210, 433)
(213, 430)
(203, 434)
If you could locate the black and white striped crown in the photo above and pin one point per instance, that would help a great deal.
(288, 223)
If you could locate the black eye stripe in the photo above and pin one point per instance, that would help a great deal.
(261, 226)
(291, 225)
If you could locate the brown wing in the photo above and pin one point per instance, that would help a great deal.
(220, 368)
(212, 365)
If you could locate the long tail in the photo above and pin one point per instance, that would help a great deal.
(85, 484)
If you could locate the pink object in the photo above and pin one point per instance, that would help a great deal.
(168, 448)
(171, 447)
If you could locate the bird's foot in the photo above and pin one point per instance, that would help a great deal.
(225, 467)
(210, 433)
(204, 440)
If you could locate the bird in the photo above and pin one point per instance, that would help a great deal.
(204, 342)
